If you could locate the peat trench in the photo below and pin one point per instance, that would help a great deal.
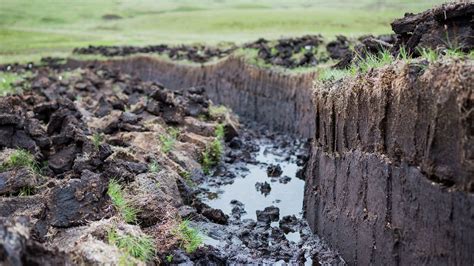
(259, 192)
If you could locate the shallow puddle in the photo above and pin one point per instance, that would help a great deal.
(286, 193)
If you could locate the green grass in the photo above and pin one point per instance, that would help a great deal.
(26, 191)
(33, 28)
(206, 162)
(211, 156)
(139, 247)
(97, 140)
(219, 131)
(359, 66)
(126, 210)
(8, 80)
(187, 177)
(154, 167)
(218, 111)
(168, 140)
(20, 158)
(190, 238)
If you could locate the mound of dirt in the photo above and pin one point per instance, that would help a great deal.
(448, 26)
(289, 52)
(193, 53)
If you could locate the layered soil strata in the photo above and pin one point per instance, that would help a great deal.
(390, 178)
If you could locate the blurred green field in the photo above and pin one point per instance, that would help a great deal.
(30, 29)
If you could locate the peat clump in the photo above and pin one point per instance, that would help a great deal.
(289, 52)
(448, 26)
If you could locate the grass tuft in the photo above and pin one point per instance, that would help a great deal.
(126, 210)
(211, 156)
(190, 237)
(139, 247)
(21, 158)
(216, 111)
(429, 54)
(97, 139)
(187, 177)
(26, 191)
(168, 140)
(219, 131)
(7, 81)
(154, 167)
(374, 61)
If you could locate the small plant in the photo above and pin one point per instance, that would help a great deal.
(374, 61)
(206, 162)
(187, 177)
(216, 150)
(168, 140)
(20, 158)
(97, 140)
(211, 156)
(219, 131)
(429, 54)
(139, 247)
(26, 191)
(403, 54)
(454, 53)
(6, 83)
(216, 111)
(189, 237)
(154, 167)
(169, 258)
(115, 192)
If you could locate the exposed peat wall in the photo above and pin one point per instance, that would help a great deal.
(282, 101)
(391, 173)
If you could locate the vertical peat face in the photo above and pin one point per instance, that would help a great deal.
(390, 178)
(281, 101)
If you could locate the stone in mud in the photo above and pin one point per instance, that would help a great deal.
(13, 181)
(274, 170)
(289, 223)
(268, 215)
(153, 107)
(103, 107)
(124, 170)
(237, 211)
(77, 201)
(63, 160)
(235, 143)
(284, 179)
(215, 215)
(17, 247)
(264, 188)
